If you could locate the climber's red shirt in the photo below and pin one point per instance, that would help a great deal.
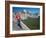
(18, 17)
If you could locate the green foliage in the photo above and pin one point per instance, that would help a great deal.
(32, 23)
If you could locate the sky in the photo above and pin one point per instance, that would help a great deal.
(32, 10)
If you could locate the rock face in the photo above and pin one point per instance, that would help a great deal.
(23, 14)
